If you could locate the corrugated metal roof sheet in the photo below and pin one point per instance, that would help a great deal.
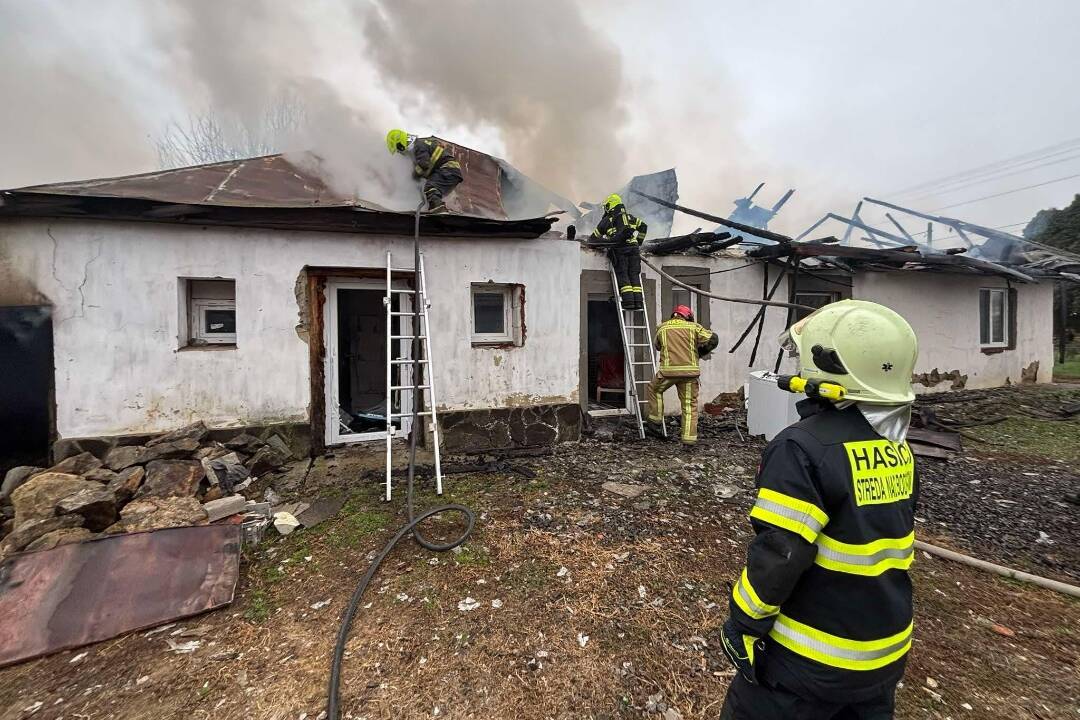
(274, 181)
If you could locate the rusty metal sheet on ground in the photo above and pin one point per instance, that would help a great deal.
(83, 593)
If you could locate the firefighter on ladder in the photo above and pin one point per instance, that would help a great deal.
(432, 162)
(821, 617)
(681, 342)
(625, 234)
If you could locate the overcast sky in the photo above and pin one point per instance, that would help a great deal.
(838, 99)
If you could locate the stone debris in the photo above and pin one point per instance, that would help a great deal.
(36, 499)
(226, 506)
(172, 477)
(154, 513)
(196, 431)
(56, 538)
(183, 648)
(26, 533)
(468, 605)
(96, 505)
(123, 457)
(626, 490)
(76, 464)
(15, 477)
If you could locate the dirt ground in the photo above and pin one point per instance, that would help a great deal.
(573, 602)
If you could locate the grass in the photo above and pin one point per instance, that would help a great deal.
(472, 556)
(354, 525)
(1028, 436)
(1068, 370)
(259, 608)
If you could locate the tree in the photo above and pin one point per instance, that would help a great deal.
(1060, 229)
(214, 136)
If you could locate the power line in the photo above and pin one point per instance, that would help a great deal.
(1007, 192)
(1047, 151)
(990, 178)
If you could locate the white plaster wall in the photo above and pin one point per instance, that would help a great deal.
(115, 296)
(944, 311)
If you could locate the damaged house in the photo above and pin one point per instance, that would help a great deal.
(247, 293)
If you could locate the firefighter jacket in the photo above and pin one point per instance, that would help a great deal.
(618, 228)
(826, 581)
(429, 155)
(681, 343)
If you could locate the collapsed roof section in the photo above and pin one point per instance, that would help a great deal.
(638, 196)
(285, 192)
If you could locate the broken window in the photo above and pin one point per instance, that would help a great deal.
(814, 300)
(210, 310)
(497, 314)
(994, 317)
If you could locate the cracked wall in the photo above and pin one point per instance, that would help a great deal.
(113, 288)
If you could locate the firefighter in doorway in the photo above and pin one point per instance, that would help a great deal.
(681, 342)
(625, 234)
(432, 162)
(821, 617)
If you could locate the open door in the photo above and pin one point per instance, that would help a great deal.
(26, 381)
(357, 360)
(607, 387)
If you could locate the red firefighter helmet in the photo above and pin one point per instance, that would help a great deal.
(684, 312)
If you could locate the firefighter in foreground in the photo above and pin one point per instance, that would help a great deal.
(432, 162)
(625, 234)
(681, 342)
(821, 617)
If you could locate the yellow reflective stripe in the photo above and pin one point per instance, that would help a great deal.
(749, 602)
(626, 288)
(748, 645)
(868, 559)
(839, 652)
(783, 511)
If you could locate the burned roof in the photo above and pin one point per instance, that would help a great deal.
(279, 191)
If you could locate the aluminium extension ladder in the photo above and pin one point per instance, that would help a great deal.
(407, 383)
(635, 332)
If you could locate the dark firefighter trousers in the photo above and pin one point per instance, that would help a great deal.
(761, 702)
(627, 263)
(439, 184)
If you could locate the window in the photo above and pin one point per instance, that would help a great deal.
(496, 314)
(814, 300)
(682, 296)
(211, 312)
(994, 317)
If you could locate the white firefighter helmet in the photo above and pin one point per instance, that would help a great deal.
(865, 347)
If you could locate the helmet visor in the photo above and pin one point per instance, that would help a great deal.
(787, 344)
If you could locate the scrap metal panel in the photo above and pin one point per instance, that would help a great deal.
(84, 593)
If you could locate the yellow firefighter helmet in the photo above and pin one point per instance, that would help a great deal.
(867, 348)
(397, 141)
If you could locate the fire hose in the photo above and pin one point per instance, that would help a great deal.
(332, 701)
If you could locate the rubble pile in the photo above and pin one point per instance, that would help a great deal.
(99, 488)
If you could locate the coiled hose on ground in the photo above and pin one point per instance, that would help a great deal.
(332, 701)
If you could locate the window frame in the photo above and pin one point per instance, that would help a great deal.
(197, 313)
(832, 295)
(1005, 295)
(694, 302)
(507, 291)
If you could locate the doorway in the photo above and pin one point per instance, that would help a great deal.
(26, 385)
(606, 386)
(358, 364)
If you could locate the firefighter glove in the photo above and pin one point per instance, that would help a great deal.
(740, 650)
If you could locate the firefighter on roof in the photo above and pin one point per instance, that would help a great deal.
(625, 234)
(681, 341)
(821, 617)
(432, 162)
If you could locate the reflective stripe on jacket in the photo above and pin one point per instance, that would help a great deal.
(826, 581)
(681, 343)
(430, 154)
(618, 227)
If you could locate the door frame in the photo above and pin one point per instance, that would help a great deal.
(627, 408)
(331, 368)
